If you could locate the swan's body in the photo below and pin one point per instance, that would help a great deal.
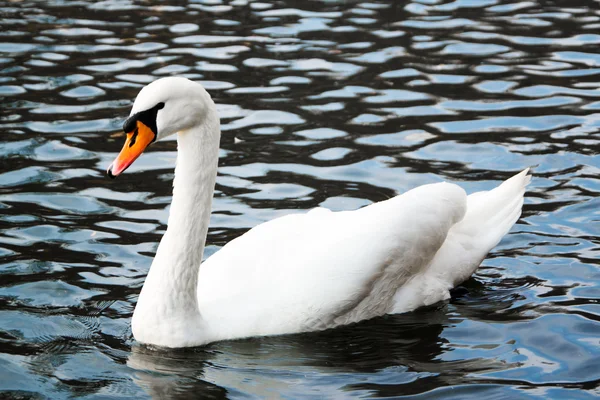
(301, 272)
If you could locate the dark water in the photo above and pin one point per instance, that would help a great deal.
(331, 103)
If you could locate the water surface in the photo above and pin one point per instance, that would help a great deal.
(323, 103)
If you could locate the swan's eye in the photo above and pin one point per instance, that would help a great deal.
(141, 131)
(147, 117)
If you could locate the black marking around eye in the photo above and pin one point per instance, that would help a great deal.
(129, 124)
(147, 117)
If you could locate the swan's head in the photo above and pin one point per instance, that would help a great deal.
(162, 108)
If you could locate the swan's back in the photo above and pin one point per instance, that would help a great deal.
(321, 269)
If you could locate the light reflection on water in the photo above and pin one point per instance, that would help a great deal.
(337, 104)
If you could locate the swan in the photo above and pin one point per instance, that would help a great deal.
(300, 272)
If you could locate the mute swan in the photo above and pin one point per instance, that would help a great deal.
(301, 272)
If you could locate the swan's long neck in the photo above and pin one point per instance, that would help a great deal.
(167, 311)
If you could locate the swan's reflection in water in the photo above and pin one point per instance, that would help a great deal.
(397, 349)
(173, 374)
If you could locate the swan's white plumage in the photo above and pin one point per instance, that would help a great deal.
(303, 272)
(318, 270)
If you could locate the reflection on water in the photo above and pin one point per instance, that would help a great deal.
(370, 353)
(334, 103)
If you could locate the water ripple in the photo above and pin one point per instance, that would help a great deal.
(334, 104)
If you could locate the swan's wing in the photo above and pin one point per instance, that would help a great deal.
(489, 216)
(316, 270)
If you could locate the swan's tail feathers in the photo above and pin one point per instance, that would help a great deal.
(489, 216)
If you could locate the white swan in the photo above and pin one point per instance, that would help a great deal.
(301, 272)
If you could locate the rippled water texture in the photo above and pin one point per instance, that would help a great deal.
(331, 103)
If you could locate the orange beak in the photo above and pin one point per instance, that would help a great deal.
(135, 144)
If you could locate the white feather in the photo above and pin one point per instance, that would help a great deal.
(304, 272)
